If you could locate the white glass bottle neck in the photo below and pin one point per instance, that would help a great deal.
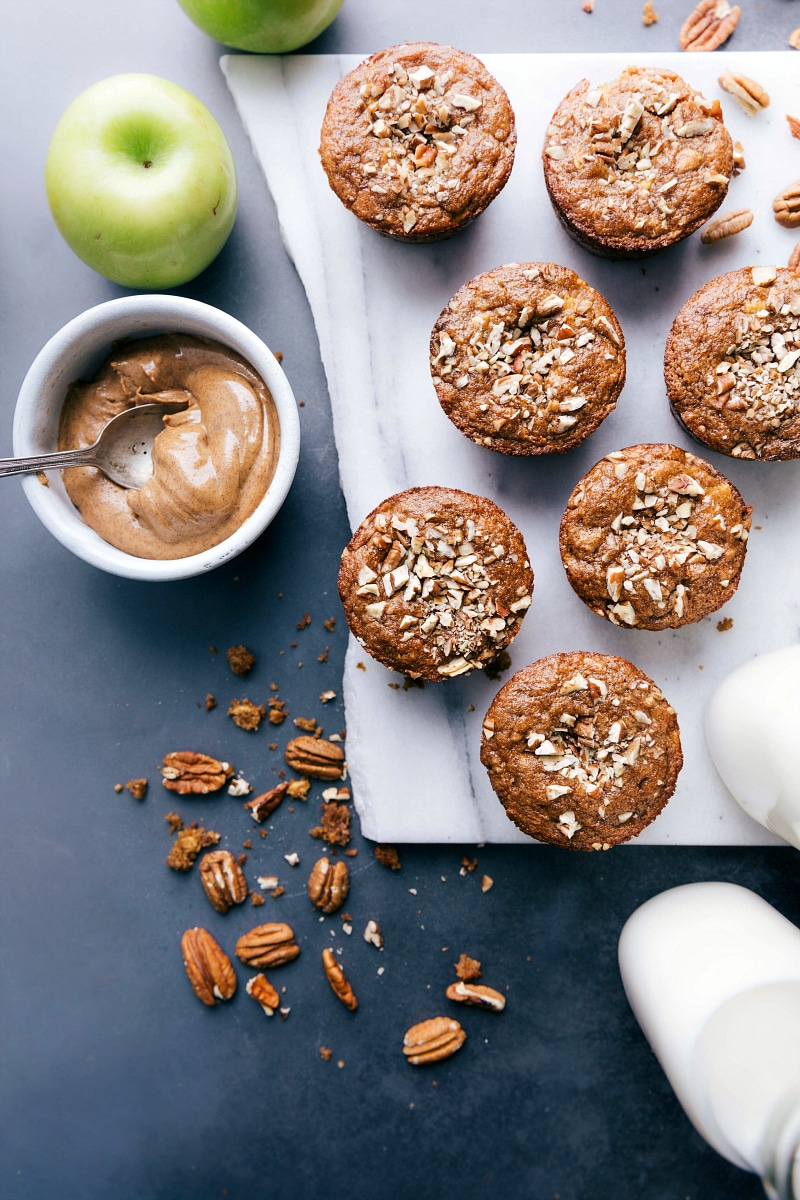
(781, 1151)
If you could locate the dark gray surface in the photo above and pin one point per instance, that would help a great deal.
(114, 1080)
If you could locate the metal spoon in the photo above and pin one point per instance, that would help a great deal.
(122, 452)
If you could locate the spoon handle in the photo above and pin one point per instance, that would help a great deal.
(48, 462)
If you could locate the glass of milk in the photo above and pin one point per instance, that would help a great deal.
(712, 973)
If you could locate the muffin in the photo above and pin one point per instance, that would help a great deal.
(654, 537)
(418, 140)
(635, 165)
(435, 582)
(582, 749)
(527, 359)
(732, 364)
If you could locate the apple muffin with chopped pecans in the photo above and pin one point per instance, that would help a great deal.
(527, 359)
(418, 140)
(654, 537)
(435, 582)
(582, 749)
(732, 364)
(637, 164)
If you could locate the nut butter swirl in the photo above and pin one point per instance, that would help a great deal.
(212, 463)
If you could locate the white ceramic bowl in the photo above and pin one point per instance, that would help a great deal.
(75, 352)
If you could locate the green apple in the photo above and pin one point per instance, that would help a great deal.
(264, 26)
(141, 182)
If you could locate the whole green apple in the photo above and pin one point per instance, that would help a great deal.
(141, 182)
(264, 26)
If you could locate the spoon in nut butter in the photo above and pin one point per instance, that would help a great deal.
(122, 452)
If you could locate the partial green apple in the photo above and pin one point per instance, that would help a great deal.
(263, 26)
(141, 182)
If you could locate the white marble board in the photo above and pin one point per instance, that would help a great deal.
(413, 755)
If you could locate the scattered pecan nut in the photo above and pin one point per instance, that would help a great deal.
(240, 659)
(786, 206)
(726, 224)
(373, 935)
(711, 24)
(338, 980)
(433, 1040)
(794, 39)
(794, 259)
(262, 991)
(245, 714)
(268, 945)
(222, 880)
(468, 969)
(316, 758)
(189, 773)
(794, 126)
(476, 994)
(263, 806)
(210, 971)
(328, 885)
(749, 95)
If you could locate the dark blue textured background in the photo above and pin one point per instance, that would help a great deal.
(114, 1080)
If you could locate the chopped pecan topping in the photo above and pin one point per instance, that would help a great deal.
(263, 993)
(267, 945)
(477, 995)
(328, 885)
(263, 806)
(433, 1040)
(222, 879)
(189, 773)
(210, 971)
(315, 757)
(338, 980)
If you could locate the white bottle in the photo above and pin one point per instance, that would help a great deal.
(753, 735)
(712, 973)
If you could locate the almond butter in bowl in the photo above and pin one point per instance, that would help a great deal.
(435, 582)
(654, 538)
(732, 364)
(636, 164)
(582, 749)
(418, 140)
(527, 359)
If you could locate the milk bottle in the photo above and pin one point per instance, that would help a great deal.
(712, 973)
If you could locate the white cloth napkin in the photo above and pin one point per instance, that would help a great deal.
(414, 755)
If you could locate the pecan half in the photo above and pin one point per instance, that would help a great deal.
(263, 806)
(726, 224)
(210, 971)
(262, 991)
(338, 980)
(749, 95)
(222, 880)
(711, 24)
(794, 39)
(316, 758)
(267, 945)
(794, 126)
(786, 206)
(189, 773)
(794, 259)
(433, 1040)
(476, 994)
(328, 885)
